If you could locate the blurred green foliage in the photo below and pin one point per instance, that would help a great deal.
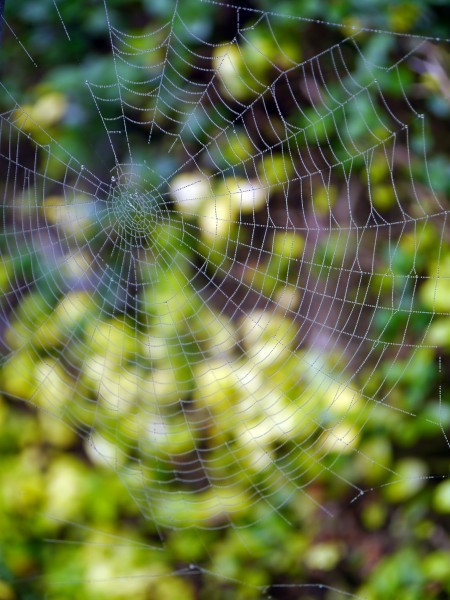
(392, 542)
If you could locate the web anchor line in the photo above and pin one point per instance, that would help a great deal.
(357, 28)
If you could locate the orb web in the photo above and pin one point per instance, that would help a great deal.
(221, 325)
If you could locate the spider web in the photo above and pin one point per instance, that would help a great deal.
(213, 323)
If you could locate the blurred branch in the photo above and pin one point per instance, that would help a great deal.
(432, 65)
(2, 8)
